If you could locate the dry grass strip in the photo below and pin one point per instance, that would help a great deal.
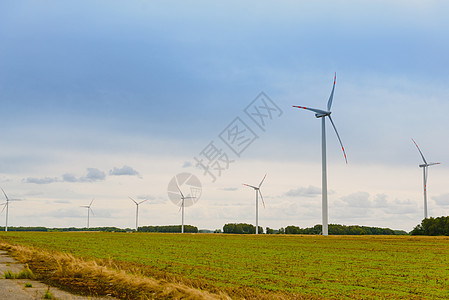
(87, 277)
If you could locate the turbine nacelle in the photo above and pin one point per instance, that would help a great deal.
(323, 114)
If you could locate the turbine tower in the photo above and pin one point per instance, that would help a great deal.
(6, 205)
(137, 211)
(323, 114)
(424, 167)
(257, 189)
(182, 206)
(88, 211)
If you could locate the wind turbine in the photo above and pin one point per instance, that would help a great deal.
(6, 205)
(182, 206)
(257, 189)
(424, 168)
(323, 114)
(137, 210)
(88, 211)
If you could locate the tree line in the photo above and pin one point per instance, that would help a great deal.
(45, 229)
(432, 226)
(334, 229)
(169, 228)
(241, 228)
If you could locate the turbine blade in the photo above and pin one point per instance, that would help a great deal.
(250, 185)
(432, 164)
(262, 180)
(143, 201)
(331, 97)
(92, 211)
(5, 194)
(179, 190)
(338, 136)
(315, 110)
(261, 197)
(132, 200)
(420, 152)
(4, 206)
(180, 209)
(91, 202)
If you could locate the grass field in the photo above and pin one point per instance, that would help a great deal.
(388, 267)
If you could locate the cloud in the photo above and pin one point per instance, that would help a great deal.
(69, 178)
(187, 164)
(442, 199)
(93, 174)
(358, 199)
(380, 200)
(310, 191)
(45, 180)
(230, 189)
(125, 170)
(62, 201)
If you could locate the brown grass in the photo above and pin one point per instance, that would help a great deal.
(88, 277)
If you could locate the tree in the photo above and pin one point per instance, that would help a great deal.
(432, 226)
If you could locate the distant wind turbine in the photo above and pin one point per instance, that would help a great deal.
(88, 211)
(425, 171)
(183, 198)
(6, 205)
(323, 114)
(137, 211)
(257, 189)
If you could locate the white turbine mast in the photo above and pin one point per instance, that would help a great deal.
(183, 198)
(6, 206)
(137, 211)
(88, 211)
(257, 190)
(323, 114)
(424, 167)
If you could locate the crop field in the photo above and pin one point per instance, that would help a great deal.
(389, 267)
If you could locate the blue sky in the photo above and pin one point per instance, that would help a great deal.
(110, 99)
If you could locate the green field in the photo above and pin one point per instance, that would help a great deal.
(329, 267)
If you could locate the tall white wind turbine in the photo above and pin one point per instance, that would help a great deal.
(183, 198)
(424, 167)
(323, 114)
(257, 189)
(88, 211)
(6, 205)
(137, 211)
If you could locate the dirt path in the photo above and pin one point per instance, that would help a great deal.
(15, 288)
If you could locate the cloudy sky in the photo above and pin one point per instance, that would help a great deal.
(109, 99)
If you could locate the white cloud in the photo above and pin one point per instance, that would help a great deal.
(442, 199)
(125, 170)
(69, 178)
(187, 164)
(45, 180)
(310, 191)
(230, 189)
(93, 174)
(358, 199)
